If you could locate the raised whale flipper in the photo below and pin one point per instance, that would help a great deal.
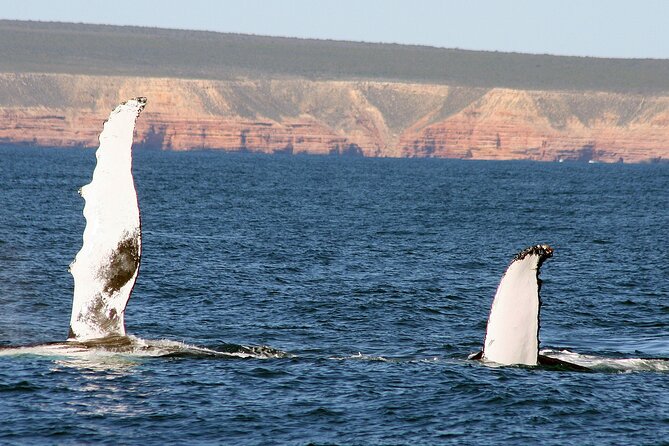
(106, 267)
(512, 336)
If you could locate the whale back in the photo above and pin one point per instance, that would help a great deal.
(106, 267)
(512, 335)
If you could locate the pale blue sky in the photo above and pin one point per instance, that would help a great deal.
(604, 28)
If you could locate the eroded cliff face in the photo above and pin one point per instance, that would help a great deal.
(343, 117)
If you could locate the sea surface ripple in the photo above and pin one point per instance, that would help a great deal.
(333, 300)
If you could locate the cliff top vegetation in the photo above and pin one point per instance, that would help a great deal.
(69, 48)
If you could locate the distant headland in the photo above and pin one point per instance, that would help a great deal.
(283, 95)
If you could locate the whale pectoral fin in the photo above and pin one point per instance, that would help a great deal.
(512, 333)
(476, 356)
(547, 361)
(106, 267)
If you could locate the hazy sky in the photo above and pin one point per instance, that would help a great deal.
(605, 28)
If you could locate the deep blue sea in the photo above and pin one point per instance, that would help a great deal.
(367, 283)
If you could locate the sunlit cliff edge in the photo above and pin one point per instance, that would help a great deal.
(254, 107)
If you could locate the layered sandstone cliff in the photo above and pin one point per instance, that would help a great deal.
(370, 118)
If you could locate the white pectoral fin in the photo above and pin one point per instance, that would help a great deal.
(105, 269)
(512, 335)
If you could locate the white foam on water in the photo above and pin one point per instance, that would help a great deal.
(360, 357)
(132, 349)
(604, 364)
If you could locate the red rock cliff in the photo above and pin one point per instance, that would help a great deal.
(346, 117)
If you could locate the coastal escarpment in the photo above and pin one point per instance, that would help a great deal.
(356, 117)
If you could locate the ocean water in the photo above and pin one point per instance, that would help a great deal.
(325, 300)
